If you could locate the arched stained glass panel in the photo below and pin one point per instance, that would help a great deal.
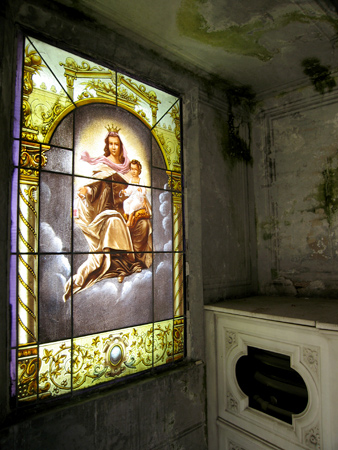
(97, 286)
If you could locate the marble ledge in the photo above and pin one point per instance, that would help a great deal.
(321, 313)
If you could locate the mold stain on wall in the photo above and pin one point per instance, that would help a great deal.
(242, 103)
(328, 191)
(321, 235)
(268, 228)
(319, 75)
(240, 39)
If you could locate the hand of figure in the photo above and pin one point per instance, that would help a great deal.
(83, 190)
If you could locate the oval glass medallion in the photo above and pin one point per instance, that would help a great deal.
(115, 355)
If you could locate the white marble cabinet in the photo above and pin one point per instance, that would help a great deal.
(304, 330)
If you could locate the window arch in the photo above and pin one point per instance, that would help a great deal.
(97, 253)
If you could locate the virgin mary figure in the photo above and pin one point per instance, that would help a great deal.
(115, 249)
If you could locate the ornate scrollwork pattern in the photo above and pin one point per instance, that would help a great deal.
(142, 344)
(232, 403)
(53, 111)
(85, 95)
(175, 114)
(73, 71)
(125, 95)
(178, 223)
(29, 366)
(178, 337)
(101, 88)
(27, 261)
(312, 438)
(32, 64)
(170, 146)
(310, 359)
(32, 156)
(141, 93)
(96, 359)
(174, 181)
(178, 247)
(233, 446)
(230, 339)
(71, 64)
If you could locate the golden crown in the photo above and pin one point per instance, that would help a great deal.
(112, 128)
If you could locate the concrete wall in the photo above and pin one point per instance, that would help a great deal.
(166, 412)
(296, 189)
(229, 250)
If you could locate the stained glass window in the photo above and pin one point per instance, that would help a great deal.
(97, 251)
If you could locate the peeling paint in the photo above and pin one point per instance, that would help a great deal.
(242, 102)
(318, 247)
(268, 228)
(239, 39)
(311, 289)
(328, 191)
(284, 286)
(236, 39)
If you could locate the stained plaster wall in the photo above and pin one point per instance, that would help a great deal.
(160, 411)
(229, 250)
(296, 188)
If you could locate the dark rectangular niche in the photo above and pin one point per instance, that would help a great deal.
(272, 386)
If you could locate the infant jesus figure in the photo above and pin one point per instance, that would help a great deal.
(136, 194)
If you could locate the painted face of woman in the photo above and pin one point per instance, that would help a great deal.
(114, 146)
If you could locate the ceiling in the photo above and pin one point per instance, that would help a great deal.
(260, 43)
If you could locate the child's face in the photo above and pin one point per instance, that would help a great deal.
(134, 170)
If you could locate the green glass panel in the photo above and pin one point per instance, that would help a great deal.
(112, 354)
(168, 135)
(55, 369)
(163, 342)
(179, 338)
(157, 155)
(27, 374)
(146, 102)
(82, 79)
(44, 96)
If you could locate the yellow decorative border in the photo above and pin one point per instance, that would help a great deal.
(56, 368)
